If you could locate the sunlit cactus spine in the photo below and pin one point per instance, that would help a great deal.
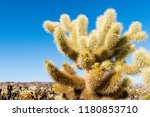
(100, 53)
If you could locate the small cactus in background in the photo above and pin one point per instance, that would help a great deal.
(101, 54)
(9, 91)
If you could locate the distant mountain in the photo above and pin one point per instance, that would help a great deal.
(3, 85)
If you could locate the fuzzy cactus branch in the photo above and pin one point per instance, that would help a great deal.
(113, 35)
(141, 58)
(146, 76)
(50, 26)
(62, 44)
(68, 69)
(82, 25)
(135, 32)
(66, 22)
(127, 69)
(63, 78)
(104, 23)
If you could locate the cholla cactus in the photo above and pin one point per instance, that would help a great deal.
(27, 95)
(9, 91)
(100, 53)
(142, 58)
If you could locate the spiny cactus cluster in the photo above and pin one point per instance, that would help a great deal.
(9, 94)
(29, 93)
(101, 54)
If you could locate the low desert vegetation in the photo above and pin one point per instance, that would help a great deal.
(28, 93)
(33, 93)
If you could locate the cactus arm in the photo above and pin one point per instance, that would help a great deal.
(68, 68)
(127, 69)
(63, 78)
(65, 22)
(103, 25)
(146, 76)
(135, 32)
(141, 58)
(50, 26)
(113, 36)
(82, 25)
(63, 45)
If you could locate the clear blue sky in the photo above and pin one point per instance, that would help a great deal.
(24, 45)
